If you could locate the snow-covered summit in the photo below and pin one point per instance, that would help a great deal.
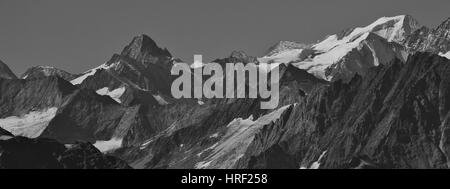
(351, 51)
(393, 29)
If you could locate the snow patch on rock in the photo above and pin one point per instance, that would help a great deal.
(114, 94)
(30, 125)
(316, 164)
(287, 56)
(109, 145)
(160, 100)
(446, 55)
(234, 143)
(91, 72)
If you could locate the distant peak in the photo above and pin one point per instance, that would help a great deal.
(44, 67)
(444, 25)
(5, 72)
(286, 45)
(238, 54)
(144, 41)
(394, 28)
(143, 49)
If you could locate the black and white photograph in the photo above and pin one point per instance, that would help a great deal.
(217, 85)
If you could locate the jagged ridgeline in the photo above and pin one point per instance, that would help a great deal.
(375, 96)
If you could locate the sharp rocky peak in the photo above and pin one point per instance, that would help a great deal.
(444, 25)
(144, 49)
(5, 72)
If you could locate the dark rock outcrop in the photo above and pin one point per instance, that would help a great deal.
(188, 128)
(25, 153)
(142, 68)
(144, 50)
(81, 114)
(395, 117)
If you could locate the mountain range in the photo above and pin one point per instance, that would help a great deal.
(376, 96)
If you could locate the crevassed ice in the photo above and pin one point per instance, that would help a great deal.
(30, 125)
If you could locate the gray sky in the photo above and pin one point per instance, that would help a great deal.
(76, 35)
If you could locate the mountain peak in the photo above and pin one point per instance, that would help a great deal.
(237, 57)
(394, 28)
(286, 45)
(144, 41)
(444, 25)
(238, 54)
(46, 71)
(5, 72)
(144, 49)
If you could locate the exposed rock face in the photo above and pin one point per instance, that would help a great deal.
(24, 153)
(144, 50)
(395, 117)
(45, 71)
(4, 132)
(237, 57)
(5, 72)
(188, 139)
(435, 40)
(52, 107)
(372, 51)
(141, 72)
(362, 98)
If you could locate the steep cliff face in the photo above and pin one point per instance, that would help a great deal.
(371, 52)
(395, 117)
(138, 75)
(5, 72)
(54, 108)
(362, 98)
(144, 50)
(192, 132)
